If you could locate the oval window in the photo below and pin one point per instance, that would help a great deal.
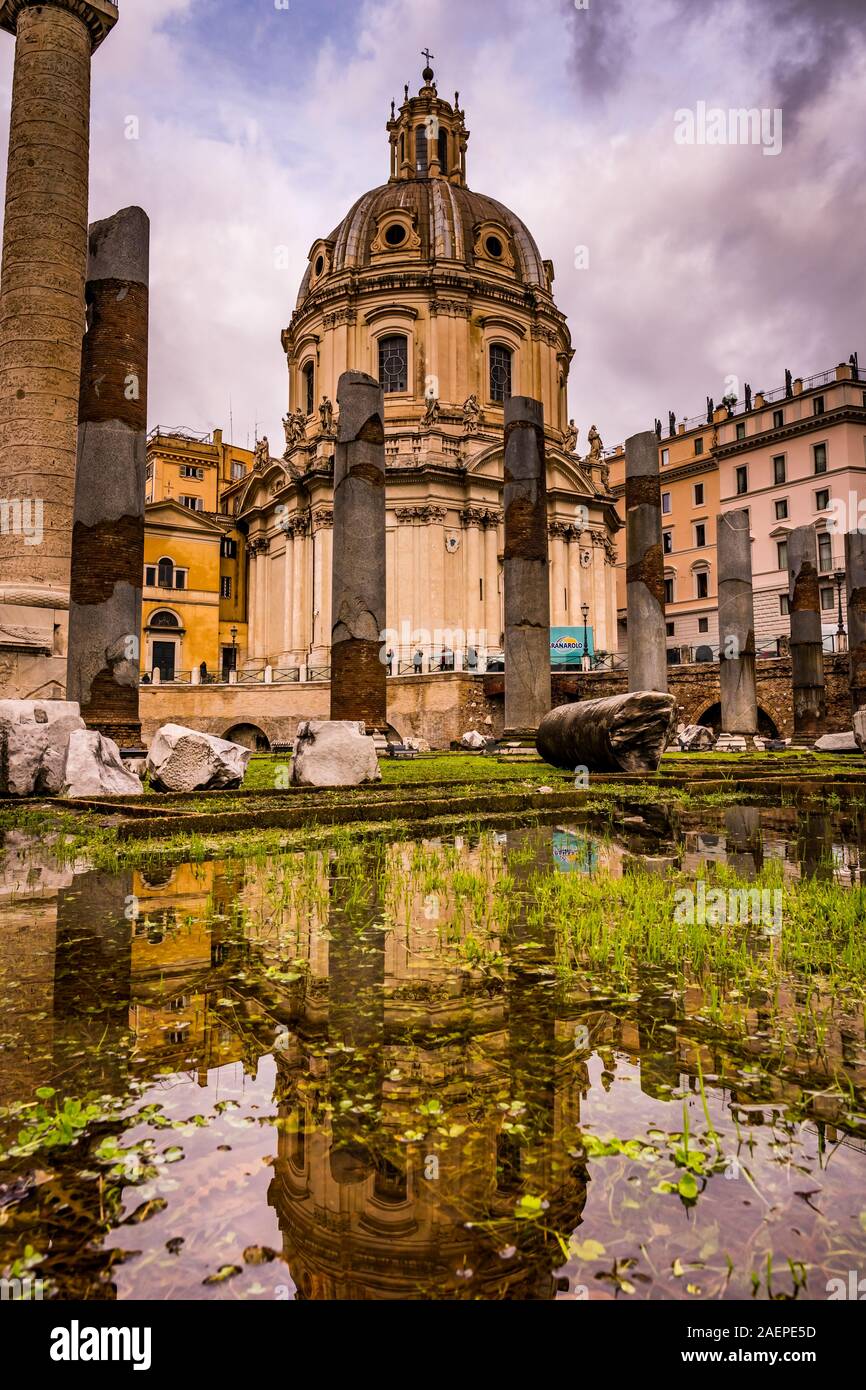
(395, 235)
(320, 265)
(494, 247)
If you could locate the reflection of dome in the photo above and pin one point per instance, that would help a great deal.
(445, 217)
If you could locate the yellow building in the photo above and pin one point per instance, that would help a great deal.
(690, 504)
(195, 600)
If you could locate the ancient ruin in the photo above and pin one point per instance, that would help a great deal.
(807, 652)
(736, 624)
(527, 593)
(647, 660)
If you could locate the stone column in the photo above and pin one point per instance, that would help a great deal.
(807, 652)
(358, 675)
(492, 600)
(108, 527)
(527, 582)
(736, 624)
(855, 567)
(41, 326)
(288, 569)
(645, 574)
(299, 565)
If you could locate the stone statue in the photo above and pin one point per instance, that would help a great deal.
(431, 414)
(658, 429)
(789, 383)
(672, 424)
(748, 394)
(326, 414)
(262, 454)
(295, 426)
(471, 414)
(595, 445)
(710, 409)
(854, 364)
(569, 444)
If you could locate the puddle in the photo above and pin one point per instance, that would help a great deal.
(487, 1067)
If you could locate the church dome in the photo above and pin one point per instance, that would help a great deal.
(441, 221)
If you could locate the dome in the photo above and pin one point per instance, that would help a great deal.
(446, 217)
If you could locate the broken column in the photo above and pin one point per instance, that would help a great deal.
(108, 532)
(855, 569)
(41, 323)
(807, 650)
(736, 624)
(645, 574)
(526, 569)
(358, 673)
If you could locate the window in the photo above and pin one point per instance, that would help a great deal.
(778, 419)
(666, 456)
(667, 542)
(150, 576)
(163, 619)
(228, 548)
(703, 624)
(779, 470)
(825, 552)
(699, 444)
(822, 499)
(192, 504)
(238, 470)
(180, 579)
(702, 584)
(225, 586)
(818, 405)
(741, 429)
(500, 373)
(828, 601)
(395, 235)
(309, 376)
(443, 151)
(699, 494)
(819, 455)
(671, 629)
(784, 605)
(188, 471)
(421, 151)
(669, 591)
(781, 509)
(781, 555)
(165, 574)
(742, 476)
(394, 363)
(700, 535)
(148, 472)
(666, 503)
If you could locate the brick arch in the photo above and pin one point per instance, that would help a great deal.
(712, 718)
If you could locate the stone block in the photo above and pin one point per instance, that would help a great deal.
(185, 760)
(334, 753)
(94, 767)
(33, 739)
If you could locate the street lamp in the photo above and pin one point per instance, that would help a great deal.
(841, 638)
(584, 608)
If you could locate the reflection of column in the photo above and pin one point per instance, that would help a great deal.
(744, 843)
(92, 980)
(492, 599)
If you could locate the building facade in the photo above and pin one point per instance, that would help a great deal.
(793, 456)
(442, 295)
(195, 596)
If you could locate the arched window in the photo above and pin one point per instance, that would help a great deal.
(394, 363)
(309, 375)
(421, 151)
(165, 574)
(163, 619)
(500, 372)
(443, 151)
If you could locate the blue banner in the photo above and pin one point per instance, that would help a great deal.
(566, 645)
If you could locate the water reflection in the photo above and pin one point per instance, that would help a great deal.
(395, 1078)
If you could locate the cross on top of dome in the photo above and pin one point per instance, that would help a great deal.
(428, 73)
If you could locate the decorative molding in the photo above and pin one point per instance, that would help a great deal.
(323, 519)
(344, 315)
(458, 308)
(385, 311)
(427, 514)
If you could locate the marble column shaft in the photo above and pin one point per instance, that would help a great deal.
(736, 624)
(527, 578)
(358, 674)
(807, 651)
(107, 567)
(645, 574)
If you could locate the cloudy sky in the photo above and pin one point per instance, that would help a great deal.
(260, 121)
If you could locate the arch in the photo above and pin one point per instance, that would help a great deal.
(164, 618)
(249, 736)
